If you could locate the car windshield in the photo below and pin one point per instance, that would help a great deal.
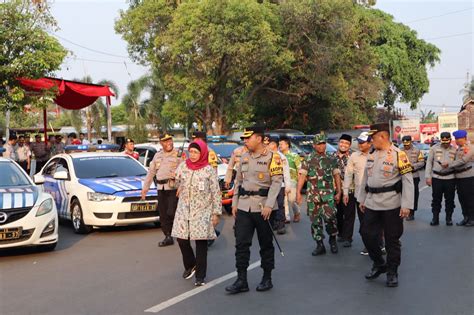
(12, 175)
(107, 166)
(224, 150)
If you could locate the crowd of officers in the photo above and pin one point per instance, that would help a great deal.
(20, 149)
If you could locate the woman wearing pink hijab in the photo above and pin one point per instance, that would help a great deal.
(198, 211)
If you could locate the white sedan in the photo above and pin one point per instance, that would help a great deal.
(28, 216)
(95, 189)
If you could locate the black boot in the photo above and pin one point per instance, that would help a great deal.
(167, 241)
(449, 219)
(463, 222)
(435, 220)
(392, 279)
(240, 285)
(266, 283)
(411, 217)
(333, 244)
(469, 223)
(376, 271)
(320, 249)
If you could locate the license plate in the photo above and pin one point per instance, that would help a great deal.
(142, 207)
(10, 233)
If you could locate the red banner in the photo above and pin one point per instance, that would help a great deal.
(430, 128)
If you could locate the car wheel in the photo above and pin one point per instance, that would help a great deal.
(49, 247)
(78, 219)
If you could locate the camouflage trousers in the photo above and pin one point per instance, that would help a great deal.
(320, 214)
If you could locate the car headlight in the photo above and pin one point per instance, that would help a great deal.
(45, 207)
(94, 196)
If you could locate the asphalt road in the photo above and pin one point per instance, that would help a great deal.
(122, 271)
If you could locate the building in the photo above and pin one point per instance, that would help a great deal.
(466, 118)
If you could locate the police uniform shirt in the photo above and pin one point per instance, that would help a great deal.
(354, 173)
(234, 162)
(385, 168)
(255, 172)
(40, 151)
(23, 153)
(463, 164)
(10, 152)
(439, 155)
(417, 161)
(163, 167)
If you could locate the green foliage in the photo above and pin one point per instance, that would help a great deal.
(428, 117)
(136, 129)
(26, 50)
(119, 114)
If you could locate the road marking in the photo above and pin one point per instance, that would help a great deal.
(163, 305)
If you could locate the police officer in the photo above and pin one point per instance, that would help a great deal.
(41, 153)
(24, 155)
(463, 166)
(324, 191)
(10, 148)
(387, 199)
(257, 185)
(212, 154)
(417, 161)
(441, 179)
(163, 167)
(130, 149)
(234, 163)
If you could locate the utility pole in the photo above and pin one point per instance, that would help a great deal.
(7, 125)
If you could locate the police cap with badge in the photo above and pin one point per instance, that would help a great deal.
(445, 137)
(406, 140)
(165, 136)
(378, 127)
(248, 132)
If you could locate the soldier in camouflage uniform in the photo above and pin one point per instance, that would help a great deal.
(324, 190)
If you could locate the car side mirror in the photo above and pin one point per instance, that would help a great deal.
(61, 175)
(39, 179)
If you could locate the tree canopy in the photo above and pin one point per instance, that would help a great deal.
(308, 64)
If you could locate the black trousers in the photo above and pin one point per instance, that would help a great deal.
(346, 217)
(278, 216)
(39, 166)
(416, 183)
(440, 187)
(465, 187)
(24, 166)
(390, 223)
(190, 260)
(167, 203)
(245, 225)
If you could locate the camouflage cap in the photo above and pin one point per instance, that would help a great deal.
(319, 138)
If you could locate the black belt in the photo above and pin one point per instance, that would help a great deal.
(444, 174)
(162, 181)
(377, 190)
(263, 192)
(462, 170)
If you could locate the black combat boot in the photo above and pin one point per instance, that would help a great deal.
(333, 244)
(449, 219)
(463, 222)
(266, 283)
(167, 241)
(320, 249)
(240, 285)
(392, 279)
(435, 220)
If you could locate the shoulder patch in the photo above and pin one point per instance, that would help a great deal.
(404, 165)
(212, 158)
(276, 166)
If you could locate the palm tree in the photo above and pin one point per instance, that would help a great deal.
(428, 117)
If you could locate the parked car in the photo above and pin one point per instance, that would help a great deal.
(28, 215)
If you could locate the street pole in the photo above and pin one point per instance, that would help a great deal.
(109, 120)
(7, 125)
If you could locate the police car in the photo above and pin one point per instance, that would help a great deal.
(28, 216)
(95, 188)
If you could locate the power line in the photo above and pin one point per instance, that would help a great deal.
(90, 49)
(441, 15)
(99, 61)
(453, 78)
(449, 36)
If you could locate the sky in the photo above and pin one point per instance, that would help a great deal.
(87, 30)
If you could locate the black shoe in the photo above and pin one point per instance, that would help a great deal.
(189, 273)
(376, 272)
(469, 223)
(265, 285)
(281, 230)
(320, 249)
(340, 239)
(449, 220)
(434, 221)
(199, 282)
(333, 244)
(392, 280)
(239, 286)
(166, 242)
(347, 244)
(463, 222)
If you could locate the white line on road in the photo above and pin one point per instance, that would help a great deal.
(159, 307)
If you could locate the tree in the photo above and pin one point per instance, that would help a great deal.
(26, 50)
(428, 117)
